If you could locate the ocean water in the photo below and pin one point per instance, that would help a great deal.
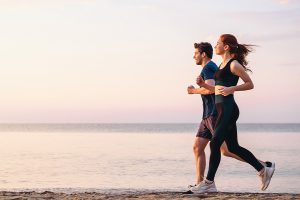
(137, 157)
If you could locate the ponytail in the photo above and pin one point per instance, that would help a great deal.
(239, 51)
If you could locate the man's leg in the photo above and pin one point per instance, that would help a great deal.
(199, 147)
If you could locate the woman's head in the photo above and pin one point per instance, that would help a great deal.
(228, 43)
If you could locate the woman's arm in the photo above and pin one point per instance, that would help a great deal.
(237, 69)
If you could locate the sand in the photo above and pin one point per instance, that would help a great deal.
(142, 195)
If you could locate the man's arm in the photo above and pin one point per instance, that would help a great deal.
(203, 84)
(202, 90)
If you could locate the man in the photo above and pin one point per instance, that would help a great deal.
(202, 56)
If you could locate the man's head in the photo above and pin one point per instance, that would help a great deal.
(203, 52)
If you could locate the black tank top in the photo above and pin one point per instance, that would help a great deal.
(225, 77)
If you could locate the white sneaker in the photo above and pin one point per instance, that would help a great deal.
(266, 176)
(190, 186)
(273, 165)
(204, 187)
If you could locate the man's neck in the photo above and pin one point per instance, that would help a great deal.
(205, 62)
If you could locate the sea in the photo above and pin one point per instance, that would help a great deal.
(137, 157)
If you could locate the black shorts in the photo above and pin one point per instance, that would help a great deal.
(206, 128)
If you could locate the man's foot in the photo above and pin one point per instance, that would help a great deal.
(266, 176)
(204, 187)
(190, 186)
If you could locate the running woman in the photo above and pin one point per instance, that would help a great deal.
(232, 68)
(202, 55)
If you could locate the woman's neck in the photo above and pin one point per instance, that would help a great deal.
(225, 58)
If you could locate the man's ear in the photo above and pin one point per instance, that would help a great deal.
(203, 54)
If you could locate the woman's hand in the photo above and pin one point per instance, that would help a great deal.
(225, 91)
(200, 81)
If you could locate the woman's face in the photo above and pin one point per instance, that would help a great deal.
(219, 48)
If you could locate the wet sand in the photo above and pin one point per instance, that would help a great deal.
(143, 195)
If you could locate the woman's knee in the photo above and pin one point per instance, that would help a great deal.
(215, 143)
(232, 149)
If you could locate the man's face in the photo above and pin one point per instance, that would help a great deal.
(198, 57)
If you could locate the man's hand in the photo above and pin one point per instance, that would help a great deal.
(200, 81)
(191, 89)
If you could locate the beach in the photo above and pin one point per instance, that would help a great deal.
(144, 195)
(136, 161)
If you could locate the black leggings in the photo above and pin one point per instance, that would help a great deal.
(225, 130)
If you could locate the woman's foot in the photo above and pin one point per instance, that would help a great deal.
(266, 175)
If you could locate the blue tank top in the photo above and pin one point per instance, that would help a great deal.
(225, 78)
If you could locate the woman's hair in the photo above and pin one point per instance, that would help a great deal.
(239, 51)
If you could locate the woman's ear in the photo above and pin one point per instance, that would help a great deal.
(226, 47)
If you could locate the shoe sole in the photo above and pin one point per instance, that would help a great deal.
(213, 190)
(268, 183)
(208, 191)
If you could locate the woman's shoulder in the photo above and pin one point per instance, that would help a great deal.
(235, 65)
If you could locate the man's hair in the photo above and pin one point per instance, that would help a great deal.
(204, 47)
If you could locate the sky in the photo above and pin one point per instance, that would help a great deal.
(130, 61)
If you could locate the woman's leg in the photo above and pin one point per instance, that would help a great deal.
(233, 146)
(227, 153)
(221, 128)
(265, 173)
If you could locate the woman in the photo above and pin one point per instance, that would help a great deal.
(232, 68)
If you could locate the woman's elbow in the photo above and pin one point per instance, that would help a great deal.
(251, 86)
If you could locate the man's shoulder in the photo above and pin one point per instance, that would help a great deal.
(210, 67)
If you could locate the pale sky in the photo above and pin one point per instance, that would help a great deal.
(127, 61)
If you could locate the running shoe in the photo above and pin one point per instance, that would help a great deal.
(266, 177)
(204, 187)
